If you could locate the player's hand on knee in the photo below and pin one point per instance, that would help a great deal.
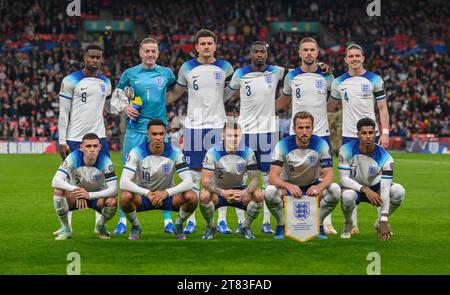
(314, 190)
(294, 190)
(160, 196)
(64, 150)
(239, 195)
(227, 193)
(81, 193)
(153, 199)
(372, 196)
(81, 204)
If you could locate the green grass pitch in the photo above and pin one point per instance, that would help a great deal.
(420, 244)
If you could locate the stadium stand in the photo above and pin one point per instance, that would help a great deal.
(406, 45)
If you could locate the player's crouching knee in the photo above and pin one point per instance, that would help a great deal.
(205, 196)
(258, 196)
(271, 194)
(125, 198)
(58, 192)
(191, 198)
(349, 198)
(335, 191)
(111, 202)
(397, 193)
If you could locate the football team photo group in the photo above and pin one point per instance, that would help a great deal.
(190, 138)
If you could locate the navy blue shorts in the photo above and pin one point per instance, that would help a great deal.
(223, 202)
(73, 145)
(196, 144)
(349, 139)
(262, 144)
(146, 205)
(362, 196)
(91, 204)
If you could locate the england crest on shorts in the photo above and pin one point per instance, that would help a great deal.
(301, 210)
(218, 76)
(240, 167)
(166, 168)
(319, 84)
(365, 88)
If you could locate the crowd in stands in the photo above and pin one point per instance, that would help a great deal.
(406, 46)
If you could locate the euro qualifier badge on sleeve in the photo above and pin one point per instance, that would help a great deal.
(301, 217)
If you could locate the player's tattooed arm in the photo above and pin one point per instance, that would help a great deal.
(212, 187)
(253, 185)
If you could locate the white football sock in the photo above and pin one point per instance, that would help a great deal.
(61, 209)
(222, 214)
(240, 215)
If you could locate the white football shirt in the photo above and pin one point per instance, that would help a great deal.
(365, 170)
(205, 84)
(358, 95)
(87, 96)
(257, 96)
(309, 93)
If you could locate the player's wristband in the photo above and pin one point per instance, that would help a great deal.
(385, 131)
(383, 218)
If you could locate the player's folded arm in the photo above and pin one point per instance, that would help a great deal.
(385, 188)
(274, 174)
(127, 184)
(346, 181)
(185, 184)
(110, 191)
(252, 172)
(208, 184)
(59, 181)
